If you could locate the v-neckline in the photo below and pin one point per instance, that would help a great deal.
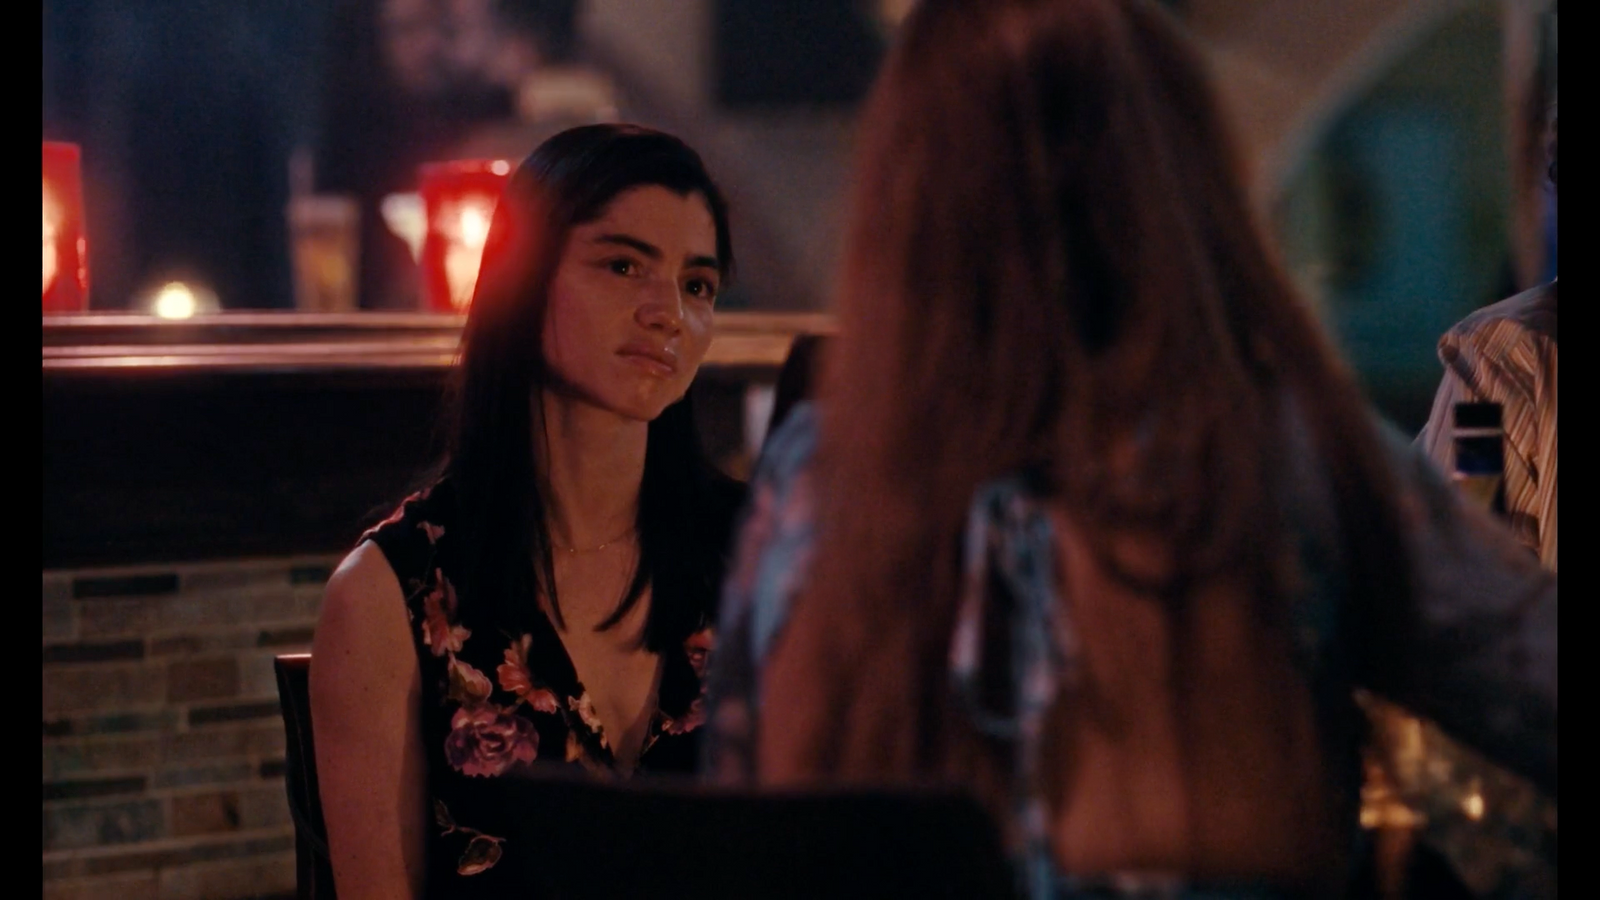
(672, 695)
(677, 687)
(550, 661)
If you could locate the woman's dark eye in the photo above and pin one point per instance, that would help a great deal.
(699, 287)
(621, 266)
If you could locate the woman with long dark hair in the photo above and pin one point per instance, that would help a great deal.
(1096, 524)
(548, 596)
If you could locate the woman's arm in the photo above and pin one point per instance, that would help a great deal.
(365, 708)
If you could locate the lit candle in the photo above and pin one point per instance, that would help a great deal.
(458, 198)
(66, 252)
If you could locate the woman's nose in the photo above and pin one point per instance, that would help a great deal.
(662, 309)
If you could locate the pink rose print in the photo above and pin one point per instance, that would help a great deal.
(438, 626)
(516, 679)
(698, 647)
(488, 740)
(468, 686)
(584, 707)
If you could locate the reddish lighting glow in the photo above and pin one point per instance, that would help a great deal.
(458, 198)
(52, 237)
(66, 251)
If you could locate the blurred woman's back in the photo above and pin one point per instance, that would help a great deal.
(1053, 272)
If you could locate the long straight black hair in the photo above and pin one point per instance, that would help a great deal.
(685, 504)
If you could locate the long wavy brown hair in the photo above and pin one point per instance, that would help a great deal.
(1052, 266)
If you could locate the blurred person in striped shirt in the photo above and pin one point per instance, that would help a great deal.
(1505, 353)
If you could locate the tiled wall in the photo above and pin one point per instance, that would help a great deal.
(163, 742)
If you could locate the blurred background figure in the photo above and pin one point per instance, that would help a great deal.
(1506, 354)
(1089, 491)
(1496, 830)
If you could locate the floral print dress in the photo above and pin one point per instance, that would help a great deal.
(497, 704)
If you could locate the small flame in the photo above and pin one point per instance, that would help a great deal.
(176, 300)
(465, 227)
(474, 225)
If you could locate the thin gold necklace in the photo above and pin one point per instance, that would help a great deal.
(575, 550)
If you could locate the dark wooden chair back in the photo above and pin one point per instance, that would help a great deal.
(313, 870)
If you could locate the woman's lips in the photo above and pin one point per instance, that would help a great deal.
(654, 360)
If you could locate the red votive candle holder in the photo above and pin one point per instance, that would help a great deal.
(458, 199)
(66, 251)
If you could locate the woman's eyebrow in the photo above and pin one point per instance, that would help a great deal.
(693, 261)
(625, 240)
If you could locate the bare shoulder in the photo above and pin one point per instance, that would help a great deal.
(363, 619)
(364, 579)
(365, 708)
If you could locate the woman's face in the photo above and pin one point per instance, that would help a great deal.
(629, 318)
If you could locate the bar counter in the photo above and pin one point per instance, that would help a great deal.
(268, 434)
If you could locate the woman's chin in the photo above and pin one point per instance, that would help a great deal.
(641, 409)
(648, 405)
